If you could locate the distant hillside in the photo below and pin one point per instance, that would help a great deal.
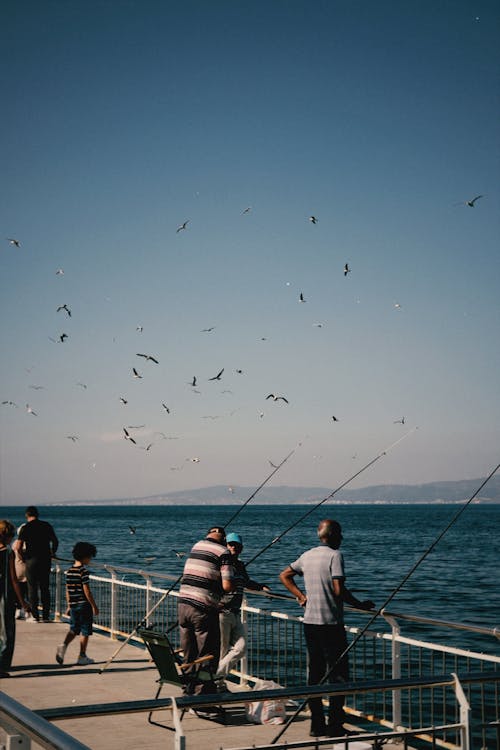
(432, 492)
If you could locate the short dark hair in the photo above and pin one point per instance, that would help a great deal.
(31, 510)
(82, 550)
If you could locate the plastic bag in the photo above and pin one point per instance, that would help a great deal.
(269, 711)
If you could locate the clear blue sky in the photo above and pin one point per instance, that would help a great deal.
(122, 120)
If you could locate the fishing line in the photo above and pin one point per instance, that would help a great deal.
(340, 487)
(164, 596)
(390, 598)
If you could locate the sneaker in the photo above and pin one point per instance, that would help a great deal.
(20, 615)
(84, 660)
(60, 652)
(31, 618)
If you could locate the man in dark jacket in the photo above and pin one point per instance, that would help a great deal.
(36, 545)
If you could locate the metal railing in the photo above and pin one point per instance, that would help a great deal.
(276, 650)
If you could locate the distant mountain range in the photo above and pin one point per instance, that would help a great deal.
(432, 492)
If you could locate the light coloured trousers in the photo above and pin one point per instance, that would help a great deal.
(233, 644)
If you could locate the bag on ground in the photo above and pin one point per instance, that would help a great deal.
(271, 711)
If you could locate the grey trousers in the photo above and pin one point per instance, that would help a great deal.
(200, 636)
(233, 641)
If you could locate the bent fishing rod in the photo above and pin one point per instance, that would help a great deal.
(389, 599)
(329, 497)
(164, 596)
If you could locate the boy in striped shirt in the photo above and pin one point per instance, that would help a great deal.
(81, 604)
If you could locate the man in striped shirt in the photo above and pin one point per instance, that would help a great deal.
(208, 573)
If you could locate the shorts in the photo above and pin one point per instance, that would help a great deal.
(81, 618)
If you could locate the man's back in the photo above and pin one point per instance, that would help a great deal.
(207, 565)
(319, 566)
(39, 539)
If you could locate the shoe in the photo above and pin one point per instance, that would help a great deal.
(318, 731)
(20, 615)
(336, 730)
(31, 618)
(84, 660)
(60, 652)
(221, 686)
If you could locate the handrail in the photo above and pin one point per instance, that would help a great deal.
(467, 627)
(249, 696)
(31, 724)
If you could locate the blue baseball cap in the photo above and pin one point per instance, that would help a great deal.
(234, 538)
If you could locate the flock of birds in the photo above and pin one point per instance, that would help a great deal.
(130, 436)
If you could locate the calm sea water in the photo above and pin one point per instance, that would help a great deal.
(458, 581)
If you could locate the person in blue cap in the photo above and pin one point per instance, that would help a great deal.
(232, 631)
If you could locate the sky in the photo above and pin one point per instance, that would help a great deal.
(123, 120)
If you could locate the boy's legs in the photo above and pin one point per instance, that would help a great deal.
(84, 639)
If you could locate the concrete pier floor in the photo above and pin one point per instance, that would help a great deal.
(38, 681)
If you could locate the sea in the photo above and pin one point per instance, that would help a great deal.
(458, 581)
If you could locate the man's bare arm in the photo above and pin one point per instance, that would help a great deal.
(287, 578)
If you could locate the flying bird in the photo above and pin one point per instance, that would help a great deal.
(471, 202)
(127, 436)
(273, 465)
(218, 376)
(139, 329)
(149, 357)
(317, 325)
(346, 269)
(277, 398)
(135, 373)
(135, 426)
(246, 210)
(74, 438)
(123, 400)
(301, 297)
(62, 337)
(313, 220)
(211, 416)
(10, 403)
(194, 460)
(239, 372)
(335, 419)
(179, 554)
(30, 410)
(65, 308)
(146, 447)
(207, 330)
(37, 387)
(193, 382)
(132, 529)
(60, 272)
(83, 385)
(182, 226)
(397, 306)
(400, 421)
(166, 408)
(13, 241)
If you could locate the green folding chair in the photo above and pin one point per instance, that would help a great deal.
(171, 669)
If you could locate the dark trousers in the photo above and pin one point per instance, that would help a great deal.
(37, 577)
(325, 643)
(7, 632)
(200, 636)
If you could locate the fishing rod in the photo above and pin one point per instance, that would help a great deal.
(329, 497)
(275, 469)
(164, 596)
(398, 588)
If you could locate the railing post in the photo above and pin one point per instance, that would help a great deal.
(148, 598)
(395, 668)
(14, 739)
(57, 594)
(180, 739)
(244, 658)
(464, 714)
(114, 609)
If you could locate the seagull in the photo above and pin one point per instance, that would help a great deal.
(166, 408)
(211, 416)
(179, 554)
(66, 308)
(176, 468)
(262, 414)
(37, 387)
(149, 357)
(346, 269)
(207, 330)
(30, 410)
(239, 372)
(139, 329)
(230, 489)
(472, 201)
(182, 226)
(123, 400)
(193, 382)
(313, 220)
(246, 210)
(127, 436)
(277, 398)
(226, 390)
(301, 297)
(59, 272)
(146, 447)
(135, 426)
(132, 529)
(317, 325)
(273, 465)
(136, 374)
(218, 376)
(195, 390)
(83, 385)
(62, 337)
(74, 438)
(14, 242)
(400, 421)
(397, 306)
(194, 460)
(10, 403)
(335, 419)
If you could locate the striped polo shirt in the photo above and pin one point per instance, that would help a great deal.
(318, 566)
(208, 564)
(76, 577)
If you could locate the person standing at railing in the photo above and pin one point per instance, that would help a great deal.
(322, 568)
(232, 631)
(9, 591)
(37, 545)
(208, 573)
